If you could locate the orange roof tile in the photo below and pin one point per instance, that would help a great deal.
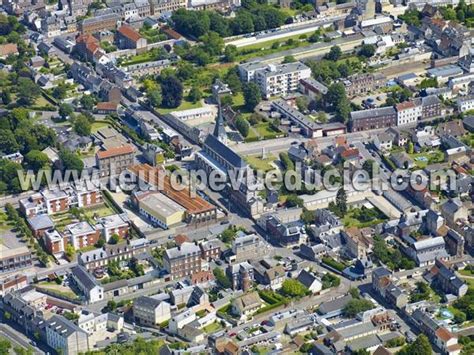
(444, 334)
(158, 177)
(9, 48)
(106, 106)
(113, 152)
(130, 33)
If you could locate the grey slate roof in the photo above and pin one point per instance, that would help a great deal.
(84, 277)
(224, 151)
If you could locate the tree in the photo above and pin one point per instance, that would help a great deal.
(242, 126)
(70, 160)
(221, 278)
(65, 110)
(112, 305)
(70, 251)
(155, 98)
(302, 103)
(87, 102)
(355, 306)
(367, 50)
(307, 216)
(60, 91)
(421, 346)
(213, 43)
(6, 97)
(410, 148)
(293, 288)
(28, 91)
(194, 94)
(82, 126)
(252, 96)
(337, 99)
(36, 160)
(114, 239)
(460, 317)
(230, 53)
(8, 142)
(289, 59)
(341, 201)
(293, 201)
(5, 346)
(334, 53)
(172, 92)
(232, 79)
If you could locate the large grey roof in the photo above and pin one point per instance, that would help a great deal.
(375, 112)
(84, 277)
(334, 305)
(146, 302)
(224, 151)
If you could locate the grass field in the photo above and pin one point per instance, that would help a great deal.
(100, 211)
(428, 158)
(351, 220)
(99, 125)
(257, 163)
(58, 289)
(185, 105)
(212, 328)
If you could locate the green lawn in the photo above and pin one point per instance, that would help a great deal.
(257, 163)
(185, 105)
(268, 44)
(212, 328)
(432, 157)
(266, 131)
(58, 289)
(99, 125)
(353, 218)
(101, 211)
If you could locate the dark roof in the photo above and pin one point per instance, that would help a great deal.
(224, 151)
(84, 277)
(146, 302)
(381, 272)
(306, 278)
(334, 305)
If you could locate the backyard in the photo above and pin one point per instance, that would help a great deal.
(5, 224)
(212, 328)
(259, 163)
(423, 159)
(363, 217)
(59, 290)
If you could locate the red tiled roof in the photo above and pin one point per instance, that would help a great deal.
(405, 105)
(113, 152)
(156, 176)
(180, 239)
(350, 153)
(109, 106)
(130, 33)
(444, 334)
(9, 48)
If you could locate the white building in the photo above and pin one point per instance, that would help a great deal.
(66, 337)
(87, 284)
(465, 103)
(408, 113)
(383, 142)
(180, 320)
(280, 80)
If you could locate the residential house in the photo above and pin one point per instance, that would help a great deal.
(183, 260)
(310, 281)
(65, 336)
(245, 306)
(241, 275)
(87, 284)
(128, 38)
(150, 311)
(115, 160)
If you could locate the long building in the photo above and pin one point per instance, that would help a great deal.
(384, 117)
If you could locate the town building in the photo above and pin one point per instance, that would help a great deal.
(12, 259)
(158, 208)
(98, 23)
(87, 284)
(115, 160)
(362, 84)
(183, 260)
(280, 80)
(65, 336)
(128, 38)
(408, 113)
(384, 117)
(150, 311)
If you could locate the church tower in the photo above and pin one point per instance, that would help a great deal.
(219, 130)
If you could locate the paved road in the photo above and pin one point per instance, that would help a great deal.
(17, 338)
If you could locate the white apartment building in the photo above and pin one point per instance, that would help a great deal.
(408, 113)
(465, 103)
(280, 80)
